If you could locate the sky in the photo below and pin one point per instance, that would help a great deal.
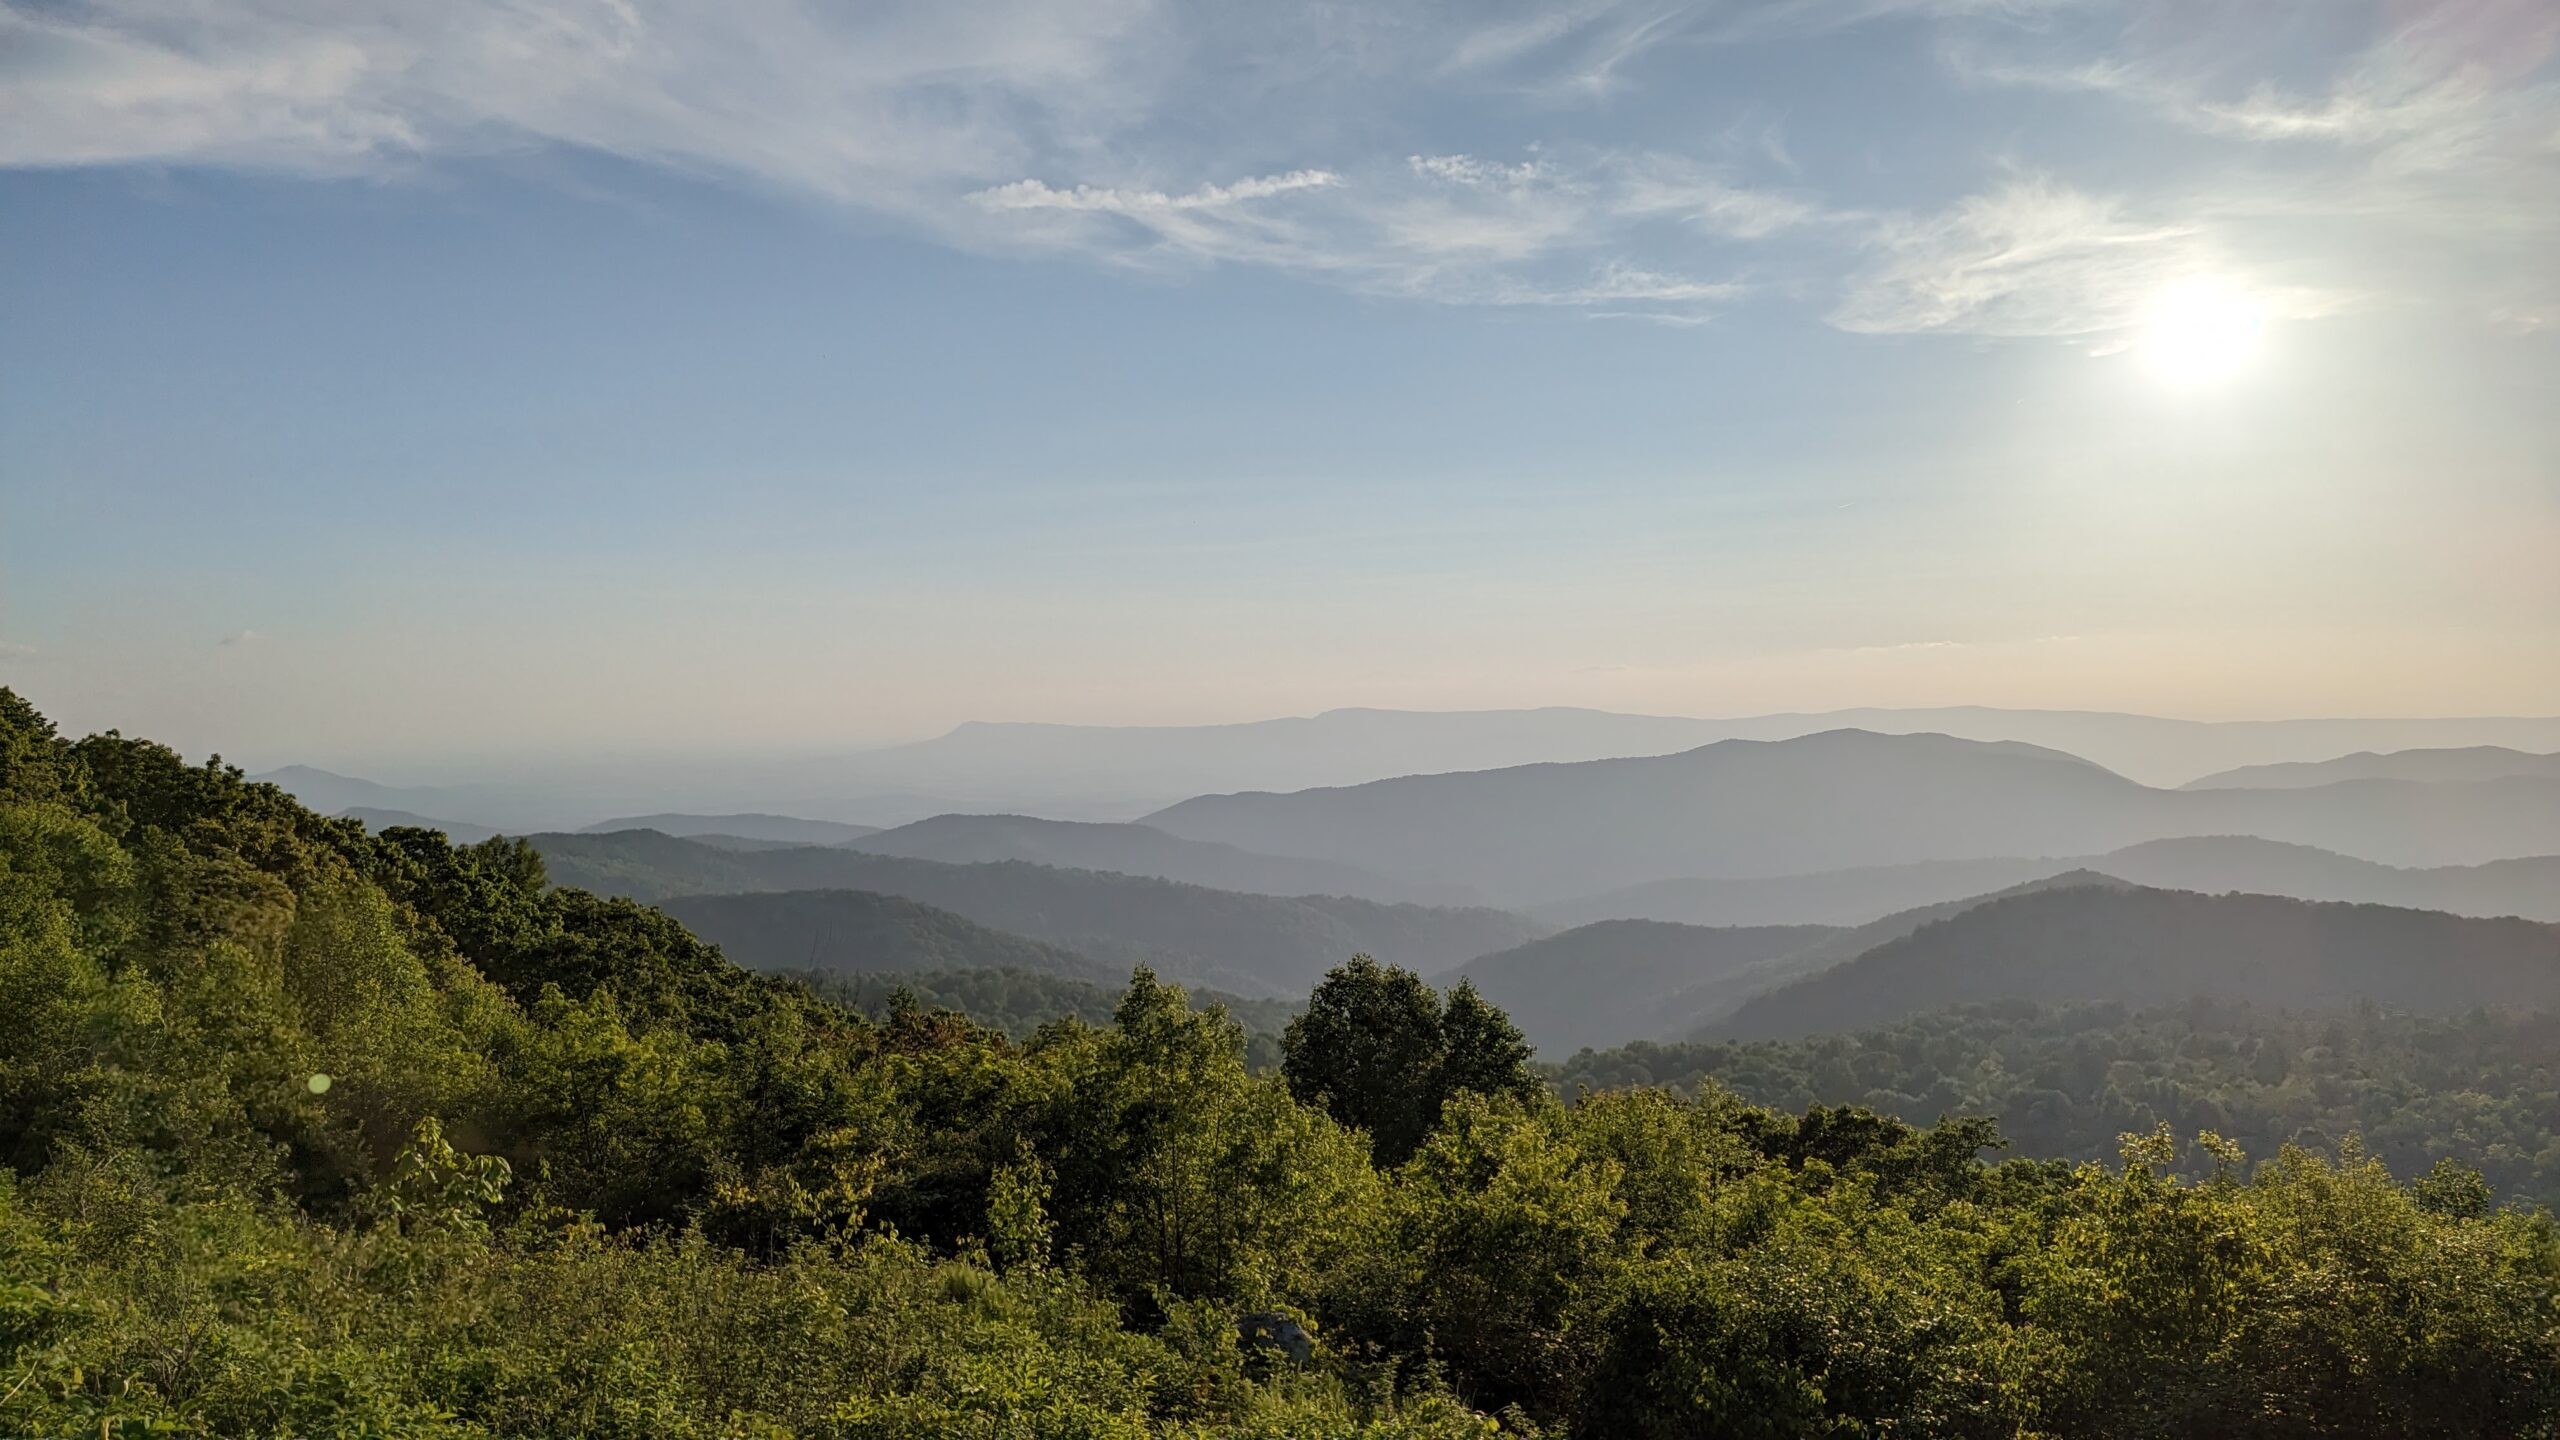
(410, 384)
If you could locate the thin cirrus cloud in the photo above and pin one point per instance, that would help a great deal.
(1475, 154)
(2422, 167)
(1453, 228)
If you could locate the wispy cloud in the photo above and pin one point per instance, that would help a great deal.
(1033, 195)
(2032, 258)
(1548, 229)
(878, 105)
(1356, 147)
(2421, 163)
(238, 638)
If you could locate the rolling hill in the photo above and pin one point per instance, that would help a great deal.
(857, 932)
(1030, 762)
(1128, 850)
(1251, 944)
(1607, 983)
(1839, 800)
(781, 829)
(2141, 946)
(460, 832)
(1739, 807)
(2529, 887)
(1714, 996)
(2473, 762)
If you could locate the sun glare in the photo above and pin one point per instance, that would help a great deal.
(2201, 333)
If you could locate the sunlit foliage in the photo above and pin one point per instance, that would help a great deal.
(310, 1132)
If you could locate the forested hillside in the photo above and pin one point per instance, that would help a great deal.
(1615, 980)
(315, 1132)
(1019, 1002)
(2125, 943)
(856, 932)
(1255, 944)
(2067, 1081)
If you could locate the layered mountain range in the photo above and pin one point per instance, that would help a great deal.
(1745, 887)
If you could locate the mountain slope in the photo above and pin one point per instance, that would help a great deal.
(460, 832)
(2142, 946)
(1123, 772)
(2474, 762)
(1606, 984)
(1252, 944)
(1825, 897)
(1736, 808)
(785, 829)
(2413, 823)
(857, 932)
(2529, 887)
(1716, 996)
(1020, 764)
(1840, 800)
(1128, 850)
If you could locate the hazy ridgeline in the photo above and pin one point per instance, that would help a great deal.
(312, 1129)
(1119, 773)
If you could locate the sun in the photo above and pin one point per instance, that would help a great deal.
(2200, 333)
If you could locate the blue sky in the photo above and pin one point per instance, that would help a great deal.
(418, 383)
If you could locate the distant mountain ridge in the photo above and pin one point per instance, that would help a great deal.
(2143, 946)
(1250, 944)
(855, 932)
(785, 829)
(2528, 887)
(1711, 997)
(1838, 800)
(1606, 983)
(1101, 772)
(1735, 807)
(1355, 745)
(1131, 849)
(2472, 763)
(460, 832)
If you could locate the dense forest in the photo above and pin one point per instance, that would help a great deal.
(2067, 1081)
(311, 1131)
(1019, 1002)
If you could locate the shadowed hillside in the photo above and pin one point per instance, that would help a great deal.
(1607, 983)
(2140, 946)
(1840, 800)
(1252, 944)
(1736, 808)
(460, 832)
(855, 932)
(785, 829)
(1129, 850)
(2474, 762)
(2529, 887)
